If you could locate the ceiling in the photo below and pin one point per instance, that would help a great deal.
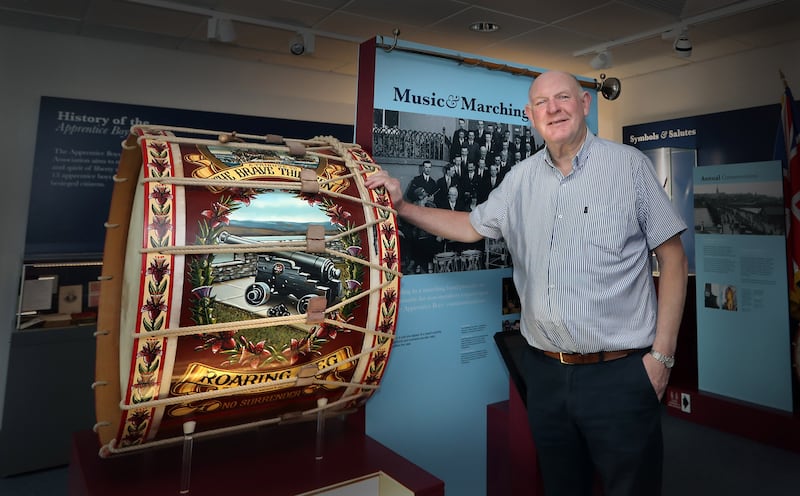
(540, 33)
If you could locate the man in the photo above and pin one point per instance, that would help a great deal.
(488, 183)
(580, 218)
(449, 179)
(452, 202)
(473, 147)
(459, 142)
(423, 180)
(480, 131)
(468, 187)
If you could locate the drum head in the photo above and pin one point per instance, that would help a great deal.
(260, 283)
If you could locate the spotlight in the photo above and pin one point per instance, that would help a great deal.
(610, 88)
(682, 45)
(302, 43)
(602, 60)
(221, 30)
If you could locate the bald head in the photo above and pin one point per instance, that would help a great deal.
(555, 77)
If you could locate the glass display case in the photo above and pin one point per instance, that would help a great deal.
(58, 294)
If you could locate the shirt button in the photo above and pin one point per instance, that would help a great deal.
(560, 216)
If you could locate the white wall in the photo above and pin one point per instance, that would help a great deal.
(748, 80)
(33, 64)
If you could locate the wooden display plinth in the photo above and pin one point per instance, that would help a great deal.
(276, 460)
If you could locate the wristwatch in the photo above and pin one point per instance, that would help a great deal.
(667, 361)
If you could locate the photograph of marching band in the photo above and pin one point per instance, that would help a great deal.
(447, 162)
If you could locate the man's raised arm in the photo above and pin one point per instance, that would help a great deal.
(446, 223)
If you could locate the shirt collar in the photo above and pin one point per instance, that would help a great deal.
(580, 158)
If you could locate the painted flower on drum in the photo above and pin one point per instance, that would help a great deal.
(382, 198)
(217, 215)
(353, 251)
(390, 259)
(161, 194)
(296, 349)
(253, 354)
(150, 351)
(158, 268)
(217, 342)
(376, 367)
(137, 422)
(387, 230)
(243, 195)
(203, 291)
(154, 306)
(139, 417)
(352, 284)
(338, 215)
(161, 224)
(389, 297)
(386, 325)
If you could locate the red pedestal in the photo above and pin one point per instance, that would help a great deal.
(276, 460)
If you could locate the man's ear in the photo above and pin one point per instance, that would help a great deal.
(529, 113)
(587, 100)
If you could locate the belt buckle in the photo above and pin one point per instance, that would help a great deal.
(561, 358)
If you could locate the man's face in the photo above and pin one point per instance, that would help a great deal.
(452, 194)
(471, 136)
(426, 169)
(558, 107)
(471, 167)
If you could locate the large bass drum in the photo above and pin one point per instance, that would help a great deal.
(246, 281)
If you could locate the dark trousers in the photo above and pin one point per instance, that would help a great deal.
(602, 419)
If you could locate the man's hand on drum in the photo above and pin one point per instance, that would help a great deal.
(392, 185)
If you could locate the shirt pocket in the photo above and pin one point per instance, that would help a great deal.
(605, 229)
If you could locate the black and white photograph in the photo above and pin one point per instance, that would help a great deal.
(453, 163)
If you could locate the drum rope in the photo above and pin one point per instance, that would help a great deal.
(274, 246)
(146, 133)
(195, 181)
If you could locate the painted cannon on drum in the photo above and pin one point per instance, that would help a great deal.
(296, 275)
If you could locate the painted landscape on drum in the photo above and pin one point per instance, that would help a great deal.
(253, 285)
(233, 265)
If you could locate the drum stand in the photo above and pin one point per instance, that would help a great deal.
(186, 463)
(321, 403)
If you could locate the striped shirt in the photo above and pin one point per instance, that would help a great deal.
(581, 245)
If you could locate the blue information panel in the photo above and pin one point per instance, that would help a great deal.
(77, 152)
(743, 346)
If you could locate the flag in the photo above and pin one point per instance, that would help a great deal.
(790, 156)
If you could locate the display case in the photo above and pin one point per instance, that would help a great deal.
(58, 294)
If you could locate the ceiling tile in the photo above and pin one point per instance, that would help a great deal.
(540, 10)
(615, 20)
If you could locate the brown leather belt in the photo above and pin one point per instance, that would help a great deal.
(588, 358)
